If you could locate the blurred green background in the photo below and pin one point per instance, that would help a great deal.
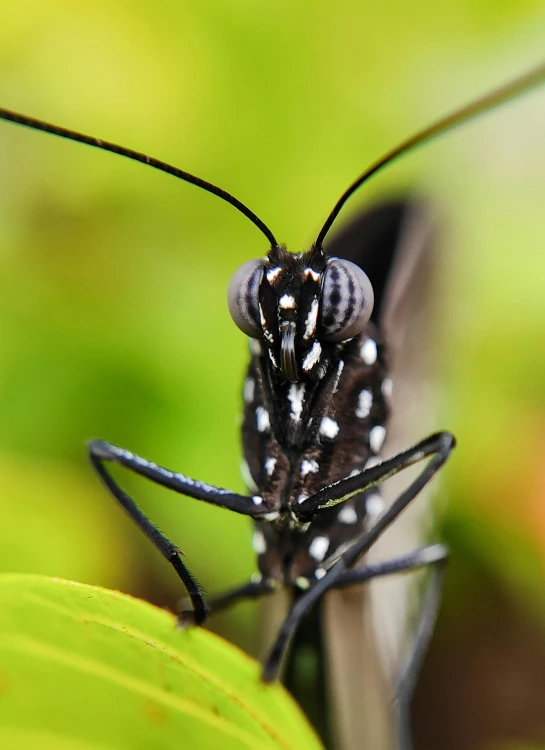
(113, 280)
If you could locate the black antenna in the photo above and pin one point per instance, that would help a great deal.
(474, 109)
(72, 135)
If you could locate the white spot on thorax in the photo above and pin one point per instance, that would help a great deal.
(256, 577)
(319, 573)
(348, 515)
(270, 463)
(368, 351)
(365, 402)
(309, 467)
(374, 505)
(262, 419)
(312, 318)
(248, 390)
(329, 428)
(273, 273)
(296, 395)
(259, 545)
(257, 499)
(301, 499)
(387, 387)
(314, 275)
(318, 547)
(287, 302)
(376, 438)
(302, 583)
(312, 357)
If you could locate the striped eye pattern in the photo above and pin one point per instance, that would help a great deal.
(347, 301)
(243, 297)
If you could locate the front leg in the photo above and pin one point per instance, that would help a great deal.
(440, 443)
(101, 451)
(438, 446)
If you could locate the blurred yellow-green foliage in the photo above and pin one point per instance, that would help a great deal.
(113, 281)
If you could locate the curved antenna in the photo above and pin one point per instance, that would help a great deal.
(474, 109)
(72, 135)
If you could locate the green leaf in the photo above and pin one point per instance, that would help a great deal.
(82, 667)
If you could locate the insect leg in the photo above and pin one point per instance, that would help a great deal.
(433, 553)
(100, 452)
(436, 555)
(250, 590)
(407, 681)
(344, 489)
(439, 446)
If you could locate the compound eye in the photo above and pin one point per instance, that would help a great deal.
(347, 301)
(243, 297)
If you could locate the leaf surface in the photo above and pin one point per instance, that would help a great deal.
(91, 669)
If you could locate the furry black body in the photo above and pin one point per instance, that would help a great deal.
(299, 438)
